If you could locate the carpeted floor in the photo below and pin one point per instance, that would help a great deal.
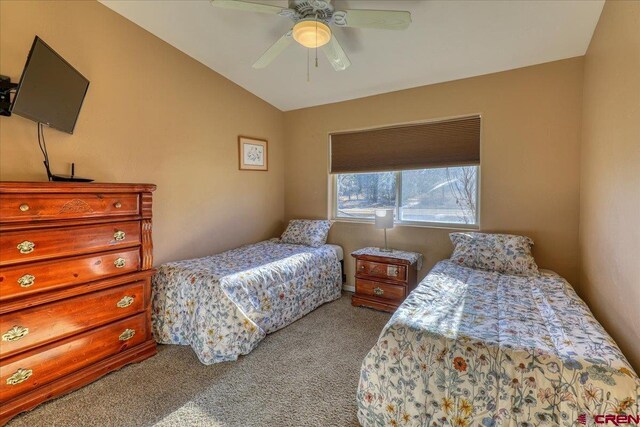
(303, 375)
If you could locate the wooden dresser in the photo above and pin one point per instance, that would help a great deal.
(75, 286)
(382, 282)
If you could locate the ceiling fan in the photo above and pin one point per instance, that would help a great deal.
(312, 29)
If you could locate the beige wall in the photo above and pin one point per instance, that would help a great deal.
(530, 147)
(610, 176)
(152, 114)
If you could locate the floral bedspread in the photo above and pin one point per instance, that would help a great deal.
(224, 305)
(471, 347)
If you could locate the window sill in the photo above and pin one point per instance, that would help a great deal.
(445, 226)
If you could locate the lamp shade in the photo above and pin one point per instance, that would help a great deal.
(384, 218)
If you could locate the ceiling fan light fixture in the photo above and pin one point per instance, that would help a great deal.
(311, 33)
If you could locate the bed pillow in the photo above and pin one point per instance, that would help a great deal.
(307, 232)
(502, 253)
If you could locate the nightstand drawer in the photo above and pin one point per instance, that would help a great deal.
(396, 273)
(380, 290)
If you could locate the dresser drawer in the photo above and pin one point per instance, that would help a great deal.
(33, 245)
(396, 273)
(380, 290)
(24, 329)
(41, 366)
(35, 207)
(27, 279)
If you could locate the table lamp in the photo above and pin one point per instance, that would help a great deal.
(384, 220)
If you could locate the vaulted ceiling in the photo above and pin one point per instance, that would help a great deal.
(447, 40)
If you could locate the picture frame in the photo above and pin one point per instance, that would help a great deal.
(253, 154)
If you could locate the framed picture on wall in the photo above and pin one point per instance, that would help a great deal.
(252, 153)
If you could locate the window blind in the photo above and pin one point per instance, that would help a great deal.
(454, 142)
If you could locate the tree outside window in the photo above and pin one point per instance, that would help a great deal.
(438, 195)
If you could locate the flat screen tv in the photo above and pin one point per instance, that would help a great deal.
(51, 91)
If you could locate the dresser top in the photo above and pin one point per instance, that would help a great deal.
(73, 187)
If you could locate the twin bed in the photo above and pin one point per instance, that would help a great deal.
(484, 340)
(224, 305)
(475, 347)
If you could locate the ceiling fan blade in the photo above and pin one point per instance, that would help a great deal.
(335, 55)
(248, 6)
(272, 53)
(380, 19)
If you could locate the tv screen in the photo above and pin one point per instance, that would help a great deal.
(51, 91)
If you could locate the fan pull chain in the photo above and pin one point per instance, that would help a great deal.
(316, 41)
(308, 71)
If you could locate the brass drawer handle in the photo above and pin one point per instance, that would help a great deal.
(117, 205)
(127, 335)
(120, 262)
(26, 247)
(26, 280)
(362, 267)
(118, 236)
(15, 333)
(378, 291)
(19, 376)
(24, 207)
(126, 301)
(392, 271)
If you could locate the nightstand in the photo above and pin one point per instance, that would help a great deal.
(384, 279)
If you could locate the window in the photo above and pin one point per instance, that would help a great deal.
(431, 172)
(437, 195)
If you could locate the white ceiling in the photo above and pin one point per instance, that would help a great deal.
(447, 40)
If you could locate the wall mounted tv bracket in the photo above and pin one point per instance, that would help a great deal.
(6, 87)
